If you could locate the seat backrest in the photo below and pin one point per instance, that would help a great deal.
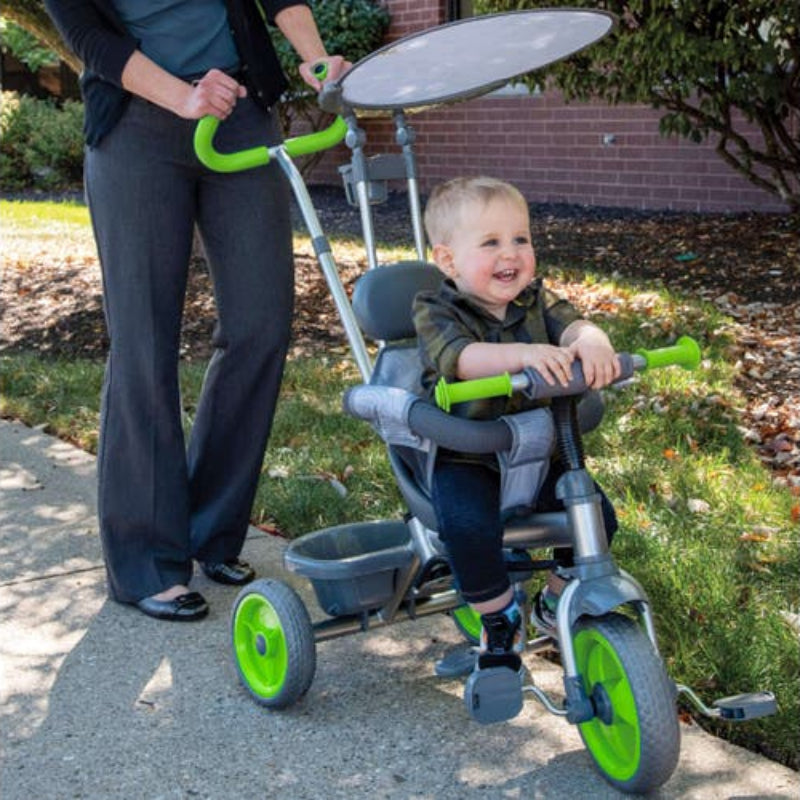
(398, 365)
(382, 300)
(383, 296)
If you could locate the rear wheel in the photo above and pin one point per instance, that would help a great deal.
(634, 738)
(273, 643)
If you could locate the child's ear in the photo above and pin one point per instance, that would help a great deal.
(443, 258)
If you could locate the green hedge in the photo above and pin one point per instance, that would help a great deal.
(41, 143)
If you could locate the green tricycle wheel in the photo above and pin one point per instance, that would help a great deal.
(634, 738)
(273, 643)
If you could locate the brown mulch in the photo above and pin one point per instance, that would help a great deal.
(746, 265)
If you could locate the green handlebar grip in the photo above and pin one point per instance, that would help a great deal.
(224, 162)
(684, 353)
(449, 393)
(257, 156)
(320, 70)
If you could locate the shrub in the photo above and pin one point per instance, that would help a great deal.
(351, 28)
(41, 144)
(24, 46)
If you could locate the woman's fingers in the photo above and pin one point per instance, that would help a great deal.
(216, 93)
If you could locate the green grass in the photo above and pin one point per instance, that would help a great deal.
(54, 223)
(713, 542)
(44, 214)
(702, 527)
(321, 468)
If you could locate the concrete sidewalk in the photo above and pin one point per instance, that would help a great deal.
(98, 701)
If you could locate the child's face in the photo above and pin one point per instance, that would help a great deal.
(490, 256)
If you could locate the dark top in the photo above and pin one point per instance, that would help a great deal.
(447, 321)
(94, 31)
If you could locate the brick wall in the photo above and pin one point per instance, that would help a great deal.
(584, 153)
(408, 16)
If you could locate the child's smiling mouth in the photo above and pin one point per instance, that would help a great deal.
(506, 275)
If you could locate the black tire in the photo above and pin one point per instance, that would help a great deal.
(273, 643)
(635, 738)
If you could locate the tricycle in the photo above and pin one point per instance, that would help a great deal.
(372, 574)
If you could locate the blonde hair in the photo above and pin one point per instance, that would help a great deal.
(448, 201)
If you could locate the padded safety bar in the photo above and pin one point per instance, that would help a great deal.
(456, 433)
(462, 435)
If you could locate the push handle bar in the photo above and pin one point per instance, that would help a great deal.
(258, 156)
(684, 353)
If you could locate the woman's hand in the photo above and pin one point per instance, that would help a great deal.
(297, 24)
(335, 67)
(216, 93)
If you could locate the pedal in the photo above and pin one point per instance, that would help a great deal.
(737, 708)
(750, 705)
(456, 663)
(494, 694)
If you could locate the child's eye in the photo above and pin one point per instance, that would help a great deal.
(489, 243)
(522, 240)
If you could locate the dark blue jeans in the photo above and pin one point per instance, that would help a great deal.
(466, 498)
(162, 502)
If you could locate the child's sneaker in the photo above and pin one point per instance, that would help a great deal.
(502, 638)
(543, 612)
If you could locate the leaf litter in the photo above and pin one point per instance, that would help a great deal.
(747, 265)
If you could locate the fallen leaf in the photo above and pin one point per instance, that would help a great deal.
(753, 537)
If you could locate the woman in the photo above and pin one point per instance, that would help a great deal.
(151, 70)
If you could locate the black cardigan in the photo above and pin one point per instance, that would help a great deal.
(94, 31)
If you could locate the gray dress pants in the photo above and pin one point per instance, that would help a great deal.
(163, 502)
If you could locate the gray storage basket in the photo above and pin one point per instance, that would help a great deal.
(380, 170)
(353, 568)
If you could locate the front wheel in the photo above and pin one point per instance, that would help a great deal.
(273, 643)
(634, 738)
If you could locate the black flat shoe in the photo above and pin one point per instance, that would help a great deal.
(234, 572)
(184, 608)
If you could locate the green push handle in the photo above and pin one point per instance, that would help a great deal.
(447, 394)
(684, 353)
(258, 156)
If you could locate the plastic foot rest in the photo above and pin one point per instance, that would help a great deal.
(747, 706)
(457, 663)
(494, 694)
